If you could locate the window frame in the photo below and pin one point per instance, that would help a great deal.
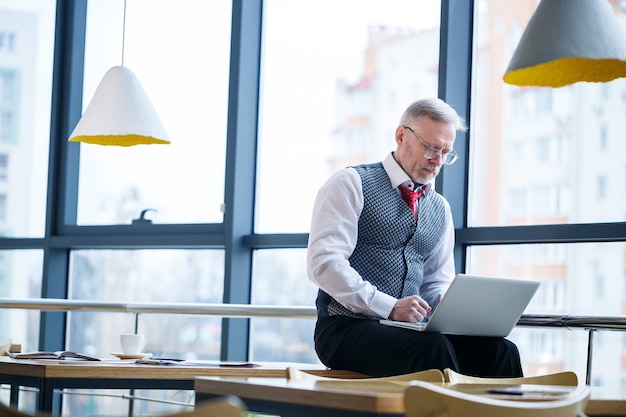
(236, 233)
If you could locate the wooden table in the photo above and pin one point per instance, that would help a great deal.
(50, 375)
(306, 398)
(311, 398)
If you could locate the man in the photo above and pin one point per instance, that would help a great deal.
(375, 256)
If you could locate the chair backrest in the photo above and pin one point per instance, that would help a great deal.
(430, 375)
(423, 399)
(566, 378)
(221, 407)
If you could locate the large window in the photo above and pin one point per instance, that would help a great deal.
(20, 277)
(179, 51)
(186, 276)
(548, 157)
(558, 146)
(336, 78)
(143, 276)
(26, 58)
(280, 279)
(26, 63)
(332, 93)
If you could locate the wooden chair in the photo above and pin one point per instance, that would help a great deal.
(423, 399)
(431, 375)
(566, 378)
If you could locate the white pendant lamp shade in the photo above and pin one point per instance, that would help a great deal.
(120, 114)
(567, 41)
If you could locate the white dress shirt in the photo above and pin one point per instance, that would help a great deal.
(333, 237)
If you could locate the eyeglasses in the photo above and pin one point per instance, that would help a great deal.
(447, 158)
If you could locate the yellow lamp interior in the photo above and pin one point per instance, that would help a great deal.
(565, 71)
(119, 140)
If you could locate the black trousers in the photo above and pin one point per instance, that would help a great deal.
(368, 347)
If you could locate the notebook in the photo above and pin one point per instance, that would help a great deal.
(477, 306)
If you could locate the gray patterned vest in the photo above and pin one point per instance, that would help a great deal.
(391, 247)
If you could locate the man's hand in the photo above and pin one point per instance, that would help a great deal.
(412, 309)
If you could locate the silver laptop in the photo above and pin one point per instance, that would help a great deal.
(477, 306)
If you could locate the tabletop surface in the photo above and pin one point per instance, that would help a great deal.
(128, 369)
(262, 382)
(377, 397)
(381, 397)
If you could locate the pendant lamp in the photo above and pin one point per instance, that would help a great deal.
(567, 41)
(120, 113)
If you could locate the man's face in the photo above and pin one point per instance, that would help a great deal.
(420, 144)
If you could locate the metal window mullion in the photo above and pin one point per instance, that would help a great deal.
(62, 188)
(455, 74)
(241, 156)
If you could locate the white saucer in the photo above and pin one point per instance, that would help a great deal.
(132, 355)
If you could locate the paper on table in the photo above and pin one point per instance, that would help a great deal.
(526, 389)
(59, 355)
(181, 362)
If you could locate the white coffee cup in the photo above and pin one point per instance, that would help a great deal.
(132, 343)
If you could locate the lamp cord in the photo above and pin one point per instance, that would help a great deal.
(124, 33)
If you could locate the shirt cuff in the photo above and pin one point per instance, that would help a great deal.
(382, 304)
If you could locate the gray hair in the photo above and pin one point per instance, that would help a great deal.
(434, 108)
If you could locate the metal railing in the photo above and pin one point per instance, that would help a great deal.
(591, 324)
(223, 310)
